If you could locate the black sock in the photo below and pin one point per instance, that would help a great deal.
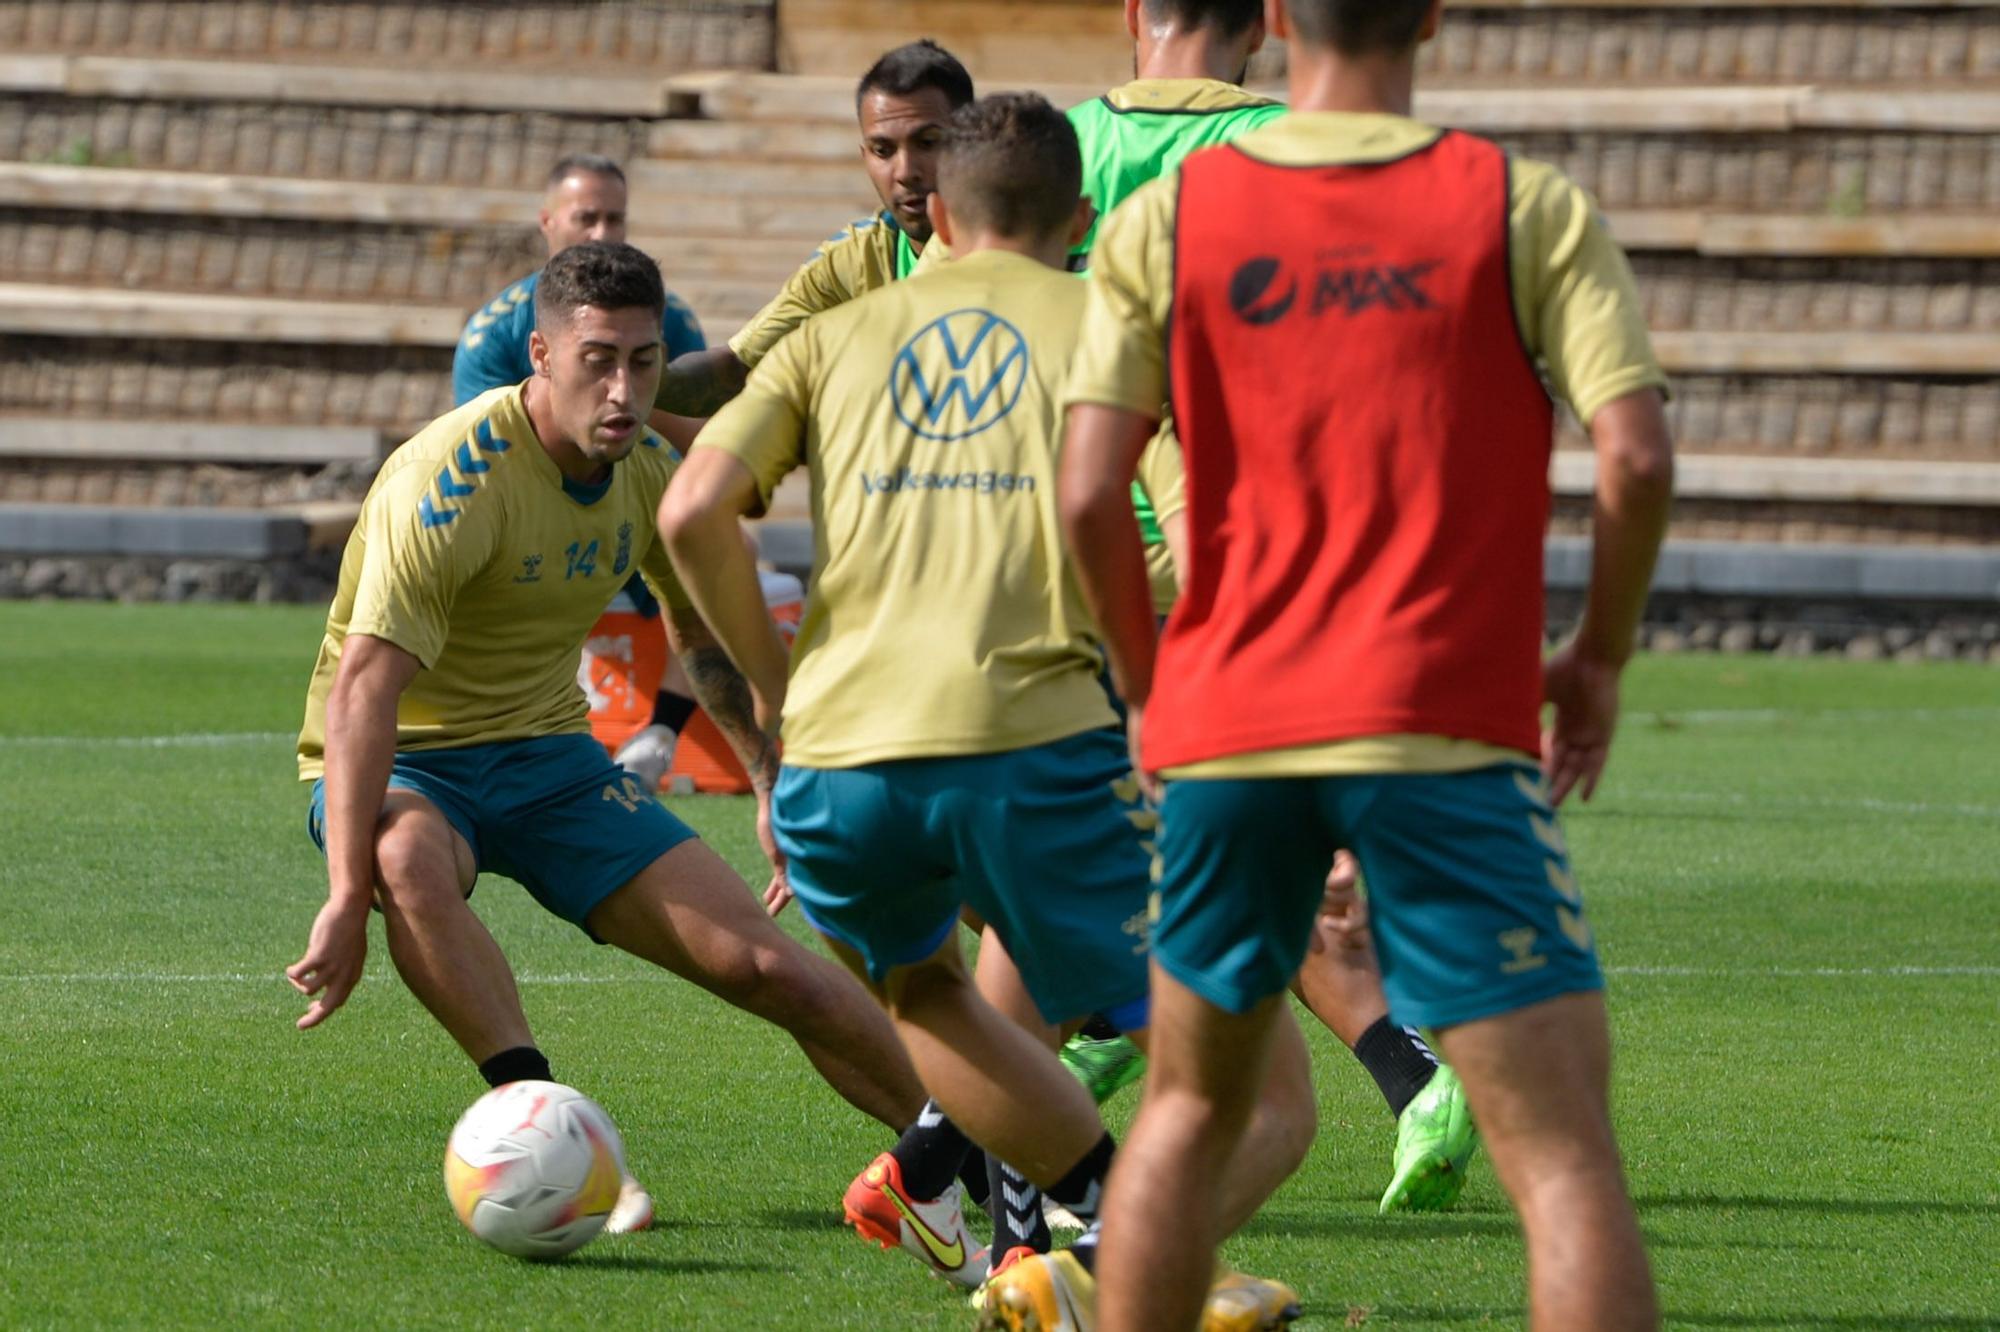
(1082, 1189)
(523, 1063)
(1099, 1028)
(972, 1173)
(1017, 1211)
(672, 710)
(930, 1153)
(1399, 1061)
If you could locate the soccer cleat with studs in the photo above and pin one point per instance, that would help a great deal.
(933, 1231)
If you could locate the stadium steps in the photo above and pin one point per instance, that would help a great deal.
(644, 36)
(1521, 41)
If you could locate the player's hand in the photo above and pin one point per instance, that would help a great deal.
(1577, 743)
(1343, 911)
(778, 895)
(336, 951)
(1135, 725)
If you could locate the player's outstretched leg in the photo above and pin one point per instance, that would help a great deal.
(1341, 983)
(1539, 1079)
(690, 913)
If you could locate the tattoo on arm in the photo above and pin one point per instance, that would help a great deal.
(700, 383)
(725, 695)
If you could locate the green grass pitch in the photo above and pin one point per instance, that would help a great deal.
(1794, 869)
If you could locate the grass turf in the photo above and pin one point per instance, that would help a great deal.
(1791, 869)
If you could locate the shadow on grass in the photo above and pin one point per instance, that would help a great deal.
(807, 1219)
(1823, 1206)
(1300, 1225)
(661, 1264)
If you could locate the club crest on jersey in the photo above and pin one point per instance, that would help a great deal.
(960, 375)
(623, 560)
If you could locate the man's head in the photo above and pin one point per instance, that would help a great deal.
(597, 344)
(903, 102)
(1357, 27)
(1010, 168)
(585, 202)
(1219, 36)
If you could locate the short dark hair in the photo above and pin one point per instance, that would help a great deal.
(1010, 162)
(912, 68)
(1231, 18)
(578, 164)
(1359, 27)
(610, 275)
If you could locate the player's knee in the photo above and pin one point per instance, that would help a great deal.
(410, 873)
(773, 984)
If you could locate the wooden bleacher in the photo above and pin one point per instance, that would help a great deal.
(262, 224)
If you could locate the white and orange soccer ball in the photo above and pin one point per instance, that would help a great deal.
(533, 1168)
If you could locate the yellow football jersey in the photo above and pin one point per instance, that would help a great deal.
(863, 257)
(942, 617)
(1574, 299)
(475, 554)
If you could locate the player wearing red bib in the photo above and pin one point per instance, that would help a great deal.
(1357, 314)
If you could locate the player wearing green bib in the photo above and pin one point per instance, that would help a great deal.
(1191, 56)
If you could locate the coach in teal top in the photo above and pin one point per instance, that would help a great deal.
(586, 202)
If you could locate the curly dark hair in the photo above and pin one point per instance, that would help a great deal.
(610, 275)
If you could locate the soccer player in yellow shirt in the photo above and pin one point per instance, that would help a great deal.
(946, 738)
(446, 736)
(1363, 319)
(902, 104)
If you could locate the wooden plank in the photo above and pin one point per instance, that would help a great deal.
(1810, 480)
(92, 312)
(1610, 110)
(1941, 236)
(333, 85)
(91, 529)
(842, 182)
(1829, 353)
(186, 441)
(800, 141)
(110, 189)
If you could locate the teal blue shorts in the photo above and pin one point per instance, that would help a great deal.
(554, 814)
(1470, 896)
(1048, 844)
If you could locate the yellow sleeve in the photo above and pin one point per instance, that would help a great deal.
(1575, 295)
(1121, 358)
(764, 426)
(413, 568)
(1160, 473)
(830, 278)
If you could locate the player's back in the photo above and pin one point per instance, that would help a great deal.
(1140, 131)
(942, 618)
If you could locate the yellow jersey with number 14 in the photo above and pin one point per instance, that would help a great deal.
(475, 555)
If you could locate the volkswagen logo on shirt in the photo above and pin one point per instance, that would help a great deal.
(960, 375)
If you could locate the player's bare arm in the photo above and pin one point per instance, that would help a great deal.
(699, 383)
(360, 750)
(1100, 457)
(1635, 486)
(699, 523)
(724, 694)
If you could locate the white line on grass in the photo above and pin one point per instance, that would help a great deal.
(573, 978)
(193, 740)
(1717, 716)
(1867, 804)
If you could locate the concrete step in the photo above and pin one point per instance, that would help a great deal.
(644, 35)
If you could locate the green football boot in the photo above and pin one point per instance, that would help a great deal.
(1104, 1067)
(1435, 1140)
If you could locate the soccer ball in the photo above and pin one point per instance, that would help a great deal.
(533, 1168)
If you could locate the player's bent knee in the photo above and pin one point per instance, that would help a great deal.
(412, 873)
